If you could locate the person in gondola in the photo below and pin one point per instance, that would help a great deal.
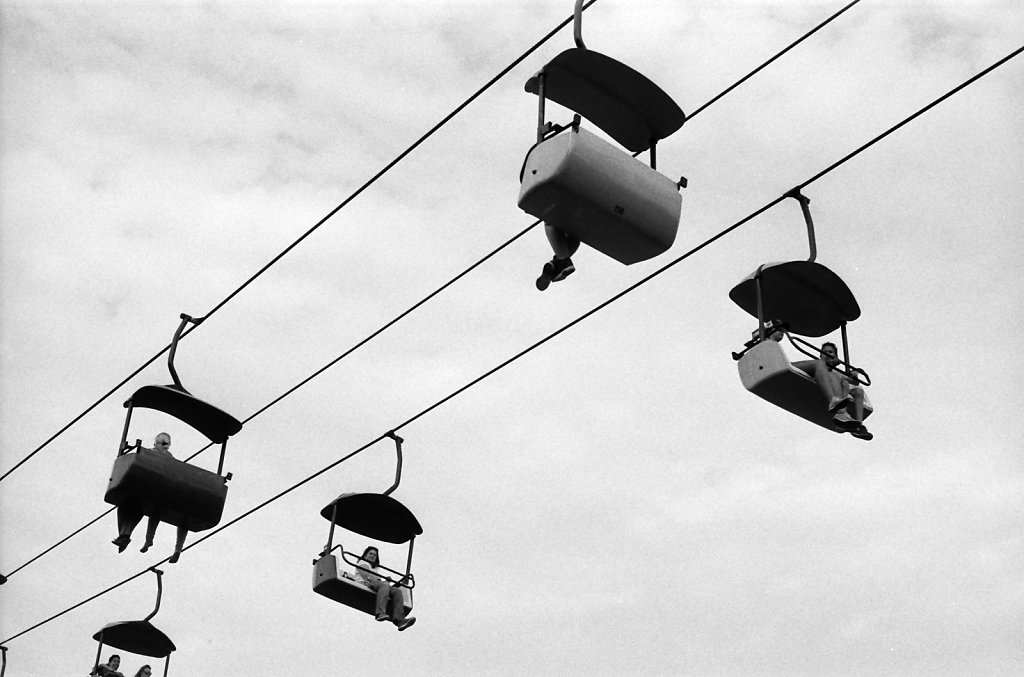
(129, 515)
(844, 397)
(366, 573)
(108, 669)
(144, 671)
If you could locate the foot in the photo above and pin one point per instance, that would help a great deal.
(121, 542)
(838, 403)
(563, 268)
(382, 617)
(174, 558)
(844, 422)
(146, 546)
(546, 276)
(861, 433)
(407, 623)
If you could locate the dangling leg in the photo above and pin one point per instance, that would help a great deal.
(381, 609)
(150, 532)
(178, 544)
(128, 517)
(860, 432)
(559, 267)
(398, 610)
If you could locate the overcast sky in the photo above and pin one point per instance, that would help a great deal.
(614, 502)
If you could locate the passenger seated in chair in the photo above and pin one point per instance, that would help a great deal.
(108, 669)
(366, 573)
(844, 396)
(559, 267)
(130, 514)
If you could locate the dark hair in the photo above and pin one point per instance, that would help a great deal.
(366, 552)
(139, 673)
(829, 343)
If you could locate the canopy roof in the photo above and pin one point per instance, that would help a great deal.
(217, 425)
(807, 296)
(138, 637)
(375, 516)
(625, 104)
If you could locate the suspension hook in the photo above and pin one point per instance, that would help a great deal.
(159, 591)
(398, 468)
(185, 319)
(804, 202)
(577, 24)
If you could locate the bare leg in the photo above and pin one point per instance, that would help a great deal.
(562, 244)
(151, 526)
(178, 544)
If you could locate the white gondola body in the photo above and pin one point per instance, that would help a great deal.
(767, 372)
(601, 195)
(336, 579)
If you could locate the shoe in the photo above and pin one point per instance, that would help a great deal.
(121, 542)
(382, 617)
(146, 546)
(838, 403)
(407, 623)
(844, 422)
(546, 276)
(563, 268)
(174, 557)
(861, 433)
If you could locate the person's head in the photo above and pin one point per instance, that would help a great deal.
(371, 555)
(830, 354)
(144, 671)
(162, 442)
(114, 661)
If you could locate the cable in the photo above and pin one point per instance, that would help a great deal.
(458, 109)
(544, 340)
(430, 296)
(452, 281)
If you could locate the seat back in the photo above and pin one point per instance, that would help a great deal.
(766, 371)
(593, 191)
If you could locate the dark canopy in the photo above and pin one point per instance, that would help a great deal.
(625, 104)
(138, 637)
(217, 425)
(375, 516)
(807, 296)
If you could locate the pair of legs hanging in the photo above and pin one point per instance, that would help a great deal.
(560, 266)
(393, 593)
(845, 398)
(129, 516)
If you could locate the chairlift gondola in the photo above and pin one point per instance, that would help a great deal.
(806, 299)
(378, 517)
(138, 637)
(586, 189)
(155, 484)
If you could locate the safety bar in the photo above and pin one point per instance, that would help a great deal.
(406, 580)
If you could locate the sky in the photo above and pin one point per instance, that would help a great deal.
(613, 502)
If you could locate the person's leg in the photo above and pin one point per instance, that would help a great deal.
(151, 526)
(397, 606)
(560, 267)
(383, 590)
(128, 517)
(179, 543)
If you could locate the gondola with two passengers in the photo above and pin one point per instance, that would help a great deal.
(361, 581)
(137, 637)
(152, 482)
(586, 189)
(803, 298)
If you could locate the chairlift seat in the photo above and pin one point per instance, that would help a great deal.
(137, 637)
(375, 516)
(806, 295)
(217, 425)
(174, 491)
(625, 104)
(335, 579)
(593, 191)
(767, 372)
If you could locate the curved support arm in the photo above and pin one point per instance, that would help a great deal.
(3, 668)
(185, 319)
(577, 24)
(398, 469)
(805, 208)
(159, 591)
